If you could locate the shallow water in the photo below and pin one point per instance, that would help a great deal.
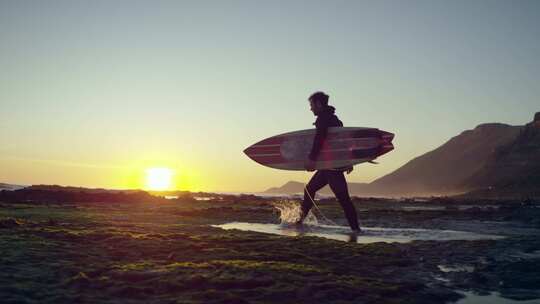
(456, 268)
(368, 235)
(493, 298)
(441, 208)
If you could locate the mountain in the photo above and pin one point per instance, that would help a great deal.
(294, 187)
(77, 189)
(443, 170)
(290, 187)
(60, 194)
(492, 155)
(514, 168)
(10, 187)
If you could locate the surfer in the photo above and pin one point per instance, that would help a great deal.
(334, 177)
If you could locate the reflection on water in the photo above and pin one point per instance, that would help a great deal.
(456, 268)
(197, 198)
(368, 235)
(204, 198)
(423, 208)
(494, 298)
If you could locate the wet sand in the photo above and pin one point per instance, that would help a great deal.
(173, 252)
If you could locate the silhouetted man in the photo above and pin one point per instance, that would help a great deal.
(333, 177)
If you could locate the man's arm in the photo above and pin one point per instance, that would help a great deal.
(318, 141)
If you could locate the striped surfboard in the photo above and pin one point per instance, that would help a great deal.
(343, 147)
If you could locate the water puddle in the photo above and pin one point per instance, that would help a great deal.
(368, 235)
(423, 208)
(526, 255)
(493, 298)
(456, 268)
(453, 207)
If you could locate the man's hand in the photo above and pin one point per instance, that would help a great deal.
(349, 170)
(309, 165)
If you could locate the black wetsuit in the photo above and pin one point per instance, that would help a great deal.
(334, 178)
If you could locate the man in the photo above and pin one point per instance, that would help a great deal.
(333, 177)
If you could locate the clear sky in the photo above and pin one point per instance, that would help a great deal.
(93, 93)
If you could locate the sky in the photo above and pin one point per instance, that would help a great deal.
(94, 93)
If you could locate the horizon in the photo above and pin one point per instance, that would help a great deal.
(186, 87)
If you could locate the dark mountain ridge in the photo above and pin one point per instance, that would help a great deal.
(4, 186)
(514, 168)
(443, 170)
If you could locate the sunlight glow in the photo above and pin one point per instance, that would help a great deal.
(159, 179)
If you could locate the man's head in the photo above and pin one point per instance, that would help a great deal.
(318, 101)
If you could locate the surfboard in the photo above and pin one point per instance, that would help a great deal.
(343, 147)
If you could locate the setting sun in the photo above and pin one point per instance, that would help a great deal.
(159, 179)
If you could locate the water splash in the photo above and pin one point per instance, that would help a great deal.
(289, 213)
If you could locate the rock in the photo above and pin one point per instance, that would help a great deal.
(52, 222)
(10, 223)
(305, 291)
(520, 294)
(80, 280)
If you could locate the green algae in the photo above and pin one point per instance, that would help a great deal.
(148, 253)
(249, 265)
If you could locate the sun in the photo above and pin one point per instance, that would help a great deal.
(159, 179)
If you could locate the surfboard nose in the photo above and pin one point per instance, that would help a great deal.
(386, 142)
(387, 136)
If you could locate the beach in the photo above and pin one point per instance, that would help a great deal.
(174, 251)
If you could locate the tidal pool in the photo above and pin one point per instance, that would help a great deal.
(368, 234)
(493, 298)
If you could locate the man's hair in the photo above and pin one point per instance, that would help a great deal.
(319, 97)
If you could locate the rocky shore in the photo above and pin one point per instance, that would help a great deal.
(166, 251)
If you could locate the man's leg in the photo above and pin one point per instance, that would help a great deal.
(317, 182)
(338, 184)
